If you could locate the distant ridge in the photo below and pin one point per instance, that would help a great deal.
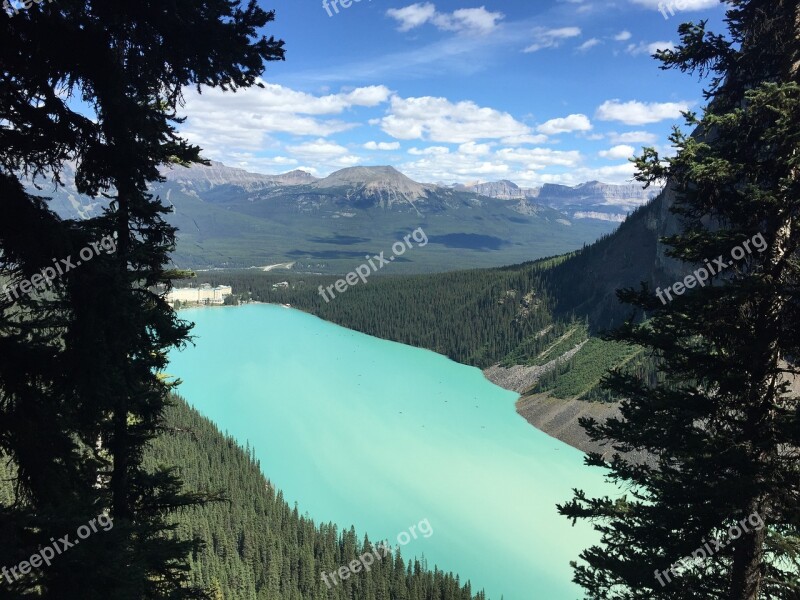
(217, 174)
(382, 186)
(383, 181)
(231, 217)
(503, 189)
(590, 200)
(387, 186)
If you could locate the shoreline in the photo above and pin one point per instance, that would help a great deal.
(556, 417)
(228, 305)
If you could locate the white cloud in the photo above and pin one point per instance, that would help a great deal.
(568, 124)
(429, 150)
(538, 158)
(466, 169)
(277, 98)
(648, 48)
(623, 36)
(439, 120)
(640, 113)
(371, 95)
(282, 160)
(551, 38)
(413, 15)
(263, 129)
(618, 152)
(321, 148)
(590, 43)
(516, 140)
(471, 20)
(468, 163)
(259, 164)
(612, 174)
(244, 120)
(475, 149)
(478, 161)
(526, 167)
(346, 161)
(382, 145)
(455, 167)
(324, 152)
(633, 137)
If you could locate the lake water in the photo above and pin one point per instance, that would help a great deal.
(361, 431)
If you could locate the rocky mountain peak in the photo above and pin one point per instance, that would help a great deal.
(382, 181)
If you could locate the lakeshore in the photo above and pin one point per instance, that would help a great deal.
(384, 433)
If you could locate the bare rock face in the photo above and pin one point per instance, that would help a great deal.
(203, 178)
(667, 224)
(556, 417)
(296, 177)
(560, 419)
(502, 190)
(591, 200)
(520, 378)
(385, 185)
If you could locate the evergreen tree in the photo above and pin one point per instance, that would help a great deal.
(53, 472)
(105, 340)
(723, 429)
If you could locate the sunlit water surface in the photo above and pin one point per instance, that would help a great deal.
(361, 431)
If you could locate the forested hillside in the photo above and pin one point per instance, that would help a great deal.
(586, 283)
(257, 547)
(474, 317)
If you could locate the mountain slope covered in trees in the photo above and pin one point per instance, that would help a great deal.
(256, 546)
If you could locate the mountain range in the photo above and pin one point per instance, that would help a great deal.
(229, 217)
(591, 200)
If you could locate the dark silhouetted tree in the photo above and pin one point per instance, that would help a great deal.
(723, 431)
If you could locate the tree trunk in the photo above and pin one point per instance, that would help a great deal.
(747, 572)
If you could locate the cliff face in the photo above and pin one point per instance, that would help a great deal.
(586, 283)
(591, 200)
(595, 200)
(667, 224)
(502, 190)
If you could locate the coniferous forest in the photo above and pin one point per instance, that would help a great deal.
(253, 544)
(257, 546)
(474, 317)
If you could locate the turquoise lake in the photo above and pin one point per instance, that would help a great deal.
(365, 432)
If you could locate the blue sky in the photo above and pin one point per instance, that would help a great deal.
(535, 91)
